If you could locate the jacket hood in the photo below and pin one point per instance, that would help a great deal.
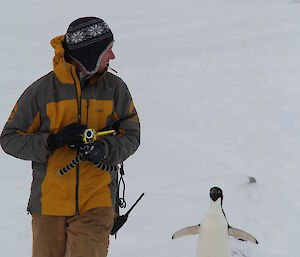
(62, 69)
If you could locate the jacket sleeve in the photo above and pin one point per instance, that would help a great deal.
(120, 147)
(21, 136)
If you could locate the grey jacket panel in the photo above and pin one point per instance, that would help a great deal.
(21, 136)
(121, 147)
(34, 203)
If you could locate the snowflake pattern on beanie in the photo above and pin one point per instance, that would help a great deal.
(87, 34)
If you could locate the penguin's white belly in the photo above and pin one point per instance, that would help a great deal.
(213, 238)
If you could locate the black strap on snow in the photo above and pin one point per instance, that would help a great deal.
(121, 200)
(120, 203)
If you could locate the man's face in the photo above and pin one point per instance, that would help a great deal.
(107, 56)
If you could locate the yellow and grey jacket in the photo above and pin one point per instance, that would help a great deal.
(47, 106)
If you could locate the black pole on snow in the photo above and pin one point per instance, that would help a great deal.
(120, 221)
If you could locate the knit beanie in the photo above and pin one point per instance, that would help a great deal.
(86, 40)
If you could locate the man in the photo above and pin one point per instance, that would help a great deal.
(72, 214)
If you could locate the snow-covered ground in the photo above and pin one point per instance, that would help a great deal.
(217, 87)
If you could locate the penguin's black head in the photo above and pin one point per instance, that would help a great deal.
(216, 193)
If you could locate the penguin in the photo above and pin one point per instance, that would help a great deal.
(214, 230)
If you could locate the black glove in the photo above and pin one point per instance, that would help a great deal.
(94, 152)
(67, 134)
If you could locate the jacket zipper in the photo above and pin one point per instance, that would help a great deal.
(87, 111)
(79, 121)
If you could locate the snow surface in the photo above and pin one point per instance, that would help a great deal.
(217, 87)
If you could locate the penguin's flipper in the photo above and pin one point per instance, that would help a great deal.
(241, 235)
(192, 230)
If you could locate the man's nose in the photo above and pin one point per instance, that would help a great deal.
(112, 55)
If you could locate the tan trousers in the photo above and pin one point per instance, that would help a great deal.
(83, 235)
